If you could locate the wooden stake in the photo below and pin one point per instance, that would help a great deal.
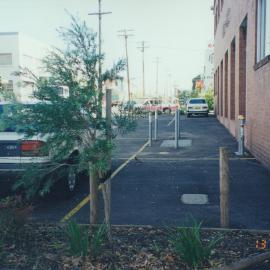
(93, 179)
(224, 188)
(247, 262)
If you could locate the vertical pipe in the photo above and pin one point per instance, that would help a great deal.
(241, 136)
(150, 128)
(179, 117)
(176, 129)
(156, 125)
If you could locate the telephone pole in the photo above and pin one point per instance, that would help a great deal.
(99, 14)
(157, 63)
(143, 47)
(126, 33)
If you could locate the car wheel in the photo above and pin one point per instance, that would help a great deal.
(72, 180)
(188, 115)
(167, 111)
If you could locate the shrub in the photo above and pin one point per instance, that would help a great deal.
(78, 239)
(209, 96)
(99, 236)
(188, 245)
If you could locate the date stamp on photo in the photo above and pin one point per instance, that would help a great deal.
(262, 244)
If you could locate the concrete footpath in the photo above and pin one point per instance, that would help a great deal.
(154, 188)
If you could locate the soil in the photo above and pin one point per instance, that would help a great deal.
(46, 247)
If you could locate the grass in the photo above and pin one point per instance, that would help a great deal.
(188, 245)
(78, 239)
(99, 236)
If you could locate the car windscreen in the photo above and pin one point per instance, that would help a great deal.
(197, 101)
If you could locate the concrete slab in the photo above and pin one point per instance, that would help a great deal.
(181, 143)
(194, 198)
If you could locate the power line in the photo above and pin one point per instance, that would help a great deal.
(126, 33)
(99, 14)
(143, 47)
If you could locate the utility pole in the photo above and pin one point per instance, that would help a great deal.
(125, 34)
(157, 63)
(94, 175)
(99, 14)
(143, 47)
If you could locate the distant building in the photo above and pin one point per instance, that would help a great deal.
(208, 70)
(242, 70)
(18, 50)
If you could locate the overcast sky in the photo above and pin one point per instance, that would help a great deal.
(176, 31)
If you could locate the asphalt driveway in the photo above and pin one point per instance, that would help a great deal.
(149, 190)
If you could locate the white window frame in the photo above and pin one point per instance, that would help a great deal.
(263, 29)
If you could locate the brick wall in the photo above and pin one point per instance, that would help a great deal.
(239, 87)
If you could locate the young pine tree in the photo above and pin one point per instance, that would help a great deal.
(74, 126)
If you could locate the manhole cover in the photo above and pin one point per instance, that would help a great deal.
(164, 153)
(194, 198)
(181, 143)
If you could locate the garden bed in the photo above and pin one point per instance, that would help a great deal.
(45, 246)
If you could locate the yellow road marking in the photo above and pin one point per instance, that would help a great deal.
(87, 198)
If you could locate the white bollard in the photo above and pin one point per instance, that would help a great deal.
(156, 125)
(176, 121)
(150, 128)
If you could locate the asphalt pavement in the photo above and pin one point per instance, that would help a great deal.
(148, 190)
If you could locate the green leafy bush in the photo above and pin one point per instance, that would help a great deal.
(188, 245)
(209, 96)
(99, 236)
(78, 239)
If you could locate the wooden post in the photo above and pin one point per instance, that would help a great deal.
(224, 188)
(93, 179)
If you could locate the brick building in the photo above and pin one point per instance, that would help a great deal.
(242, 70)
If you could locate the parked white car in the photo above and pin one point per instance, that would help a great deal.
(197, 106)
(16, 153)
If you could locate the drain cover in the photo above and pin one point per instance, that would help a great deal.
(194, 198)
(181, 143)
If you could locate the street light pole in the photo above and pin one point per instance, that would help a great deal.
(143, 47)
(157, 63)
(99, 14)
(125, 34)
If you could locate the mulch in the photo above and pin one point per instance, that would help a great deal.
(45, 247)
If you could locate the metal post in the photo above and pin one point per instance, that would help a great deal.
(241, 136)
(179, 117)
(176, 120)
(156, 125)
(150, 128)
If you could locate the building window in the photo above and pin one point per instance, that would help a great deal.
(8, 86)
(263, 29)
(5, 59)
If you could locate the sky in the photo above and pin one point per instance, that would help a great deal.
(176, 31)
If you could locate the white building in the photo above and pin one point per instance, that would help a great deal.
(18, 50)
(208, 71)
